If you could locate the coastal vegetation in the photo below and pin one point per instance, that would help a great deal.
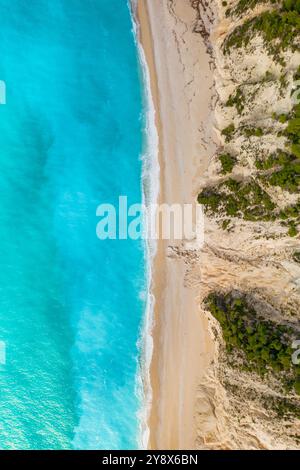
(245, 5)
(278, 159)
(228, 132)
(253, 131)
(286, 164)
(264, 346)
(238, 100)
(279, 29)
(245, 199)
(249, 201)
(251, 191)
(227, 161)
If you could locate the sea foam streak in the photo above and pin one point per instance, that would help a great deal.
(150, 191)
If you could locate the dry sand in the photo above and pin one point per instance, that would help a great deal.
(182, 87)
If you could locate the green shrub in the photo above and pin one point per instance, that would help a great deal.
(283, 118)
(228, 132)
(297, 110)
(227, 162)
(210, 199)
(292, 230)
(295, 149)
(293, 127)
(291, 5)
(297, 385)
(237, 100)
(296, 256)
(288, 177)
(226, 223)
(252, 131)
(290, 212)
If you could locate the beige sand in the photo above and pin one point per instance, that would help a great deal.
(182, 90)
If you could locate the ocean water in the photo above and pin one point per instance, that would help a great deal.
(71, 306)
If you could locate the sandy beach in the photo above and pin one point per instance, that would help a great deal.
(182, 84)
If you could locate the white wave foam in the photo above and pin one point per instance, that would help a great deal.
(150, 191)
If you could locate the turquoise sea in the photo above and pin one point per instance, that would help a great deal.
(71, 306)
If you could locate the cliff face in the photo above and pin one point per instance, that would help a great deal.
(249, 268)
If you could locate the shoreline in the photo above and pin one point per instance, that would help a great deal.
(144, 37)
(179, 331)
(151, 192)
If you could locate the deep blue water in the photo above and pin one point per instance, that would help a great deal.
(70, 305)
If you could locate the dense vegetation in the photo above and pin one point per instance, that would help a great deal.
(278, 159)
(247, 200)
(244, 5)
(227, 161)
(279, 29)
(287, 177)
(265, 345)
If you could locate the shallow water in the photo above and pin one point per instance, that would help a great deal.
(71, 306)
